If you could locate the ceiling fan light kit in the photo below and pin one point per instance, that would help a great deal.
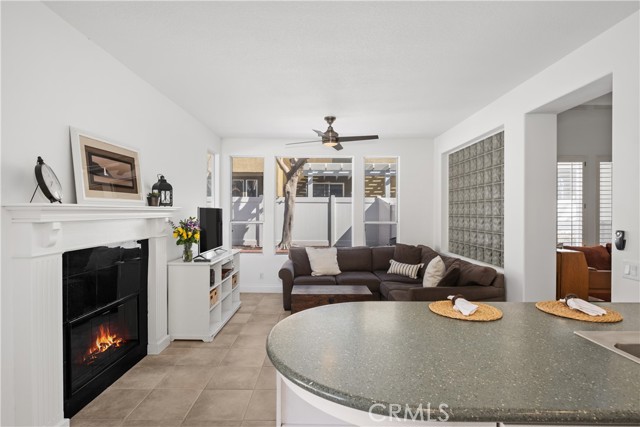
(331, 138)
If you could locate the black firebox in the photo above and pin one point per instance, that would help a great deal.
(104, 318)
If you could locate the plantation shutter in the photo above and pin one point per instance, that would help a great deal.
(570, 203)
(605, 203)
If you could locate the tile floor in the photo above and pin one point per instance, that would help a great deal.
(229, 382)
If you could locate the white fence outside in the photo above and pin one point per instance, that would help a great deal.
(318, 221)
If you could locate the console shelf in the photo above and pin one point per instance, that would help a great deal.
(201, 301)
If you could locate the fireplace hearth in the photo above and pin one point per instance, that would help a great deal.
(104, 318)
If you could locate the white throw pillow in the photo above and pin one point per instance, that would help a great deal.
(324, 262)
(434, 273)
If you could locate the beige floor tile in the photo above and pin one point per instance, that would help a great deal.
(268, 309)
(245, 308)
(250, 341)
(209, 357)
(267, 362)
(141, 377)
(114, 403)
(219, 405)
(223, 341)
(75, 422)
(262, 406)
(249, 423)
(193, 377)
(152, 423)
(250, 358)
(233, 378)
(285, 315)
(210, 423)
(239, 318)
(271, 319)
(256, 329)
(158, 360)
(231, 329)
(165, 404)
(266, 379)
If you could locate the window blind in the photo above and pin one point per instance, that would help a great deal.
(605, 218)
(570, 203)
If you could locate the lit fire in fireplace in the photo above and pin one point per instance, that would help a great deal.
(104, 341)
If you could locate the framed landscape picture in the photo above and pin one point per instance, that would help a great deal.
(104, 172)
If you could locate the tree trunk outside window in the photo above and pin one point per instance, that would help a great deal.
(292, 175)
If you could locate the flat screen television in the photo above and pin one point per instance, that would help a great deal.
(210, 229)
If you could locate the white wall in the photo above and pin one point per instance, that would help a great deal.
(614, 53)
(54, 77)
(415, 193)
(584, 134)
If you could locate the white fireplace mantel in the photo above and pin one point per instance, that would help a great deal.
(34, 238)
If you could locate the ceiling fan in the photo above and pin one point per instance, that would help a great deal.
(330, 138)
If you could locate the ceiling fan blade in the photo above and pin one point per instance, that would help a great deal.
(319, 133)
(302, 142)
(338, 147)
(356, 138)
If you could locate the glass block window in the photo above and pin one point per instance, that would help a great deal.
(476, 201)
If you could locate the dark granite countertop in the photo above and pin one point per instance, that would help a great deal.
(528, 367)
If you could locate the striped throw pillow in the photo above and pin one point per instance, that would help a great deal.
(409, 270)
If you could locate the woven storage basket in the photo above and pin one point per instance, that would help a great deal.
(484, 313)
(558, 308)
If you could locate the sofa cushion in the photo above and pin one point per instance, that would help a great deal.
(451, 276)
(427, 254)
(324, 261)
(380, 257)
(473, 274)
(301, 265)
(407, 254)
(386, 287)
(359, 278)
(409, 270)
(314, 280)
(387, 277)
(399, 295)
(597, 256)
(355, 259)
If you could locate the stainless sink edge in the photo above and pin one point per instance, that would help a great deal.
(608, 340)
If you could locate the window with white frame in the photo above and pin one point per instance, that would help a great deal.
(570, 205)
(313, 202)
(210, 179)
(605, 205)
(247, 203)
(380, 200)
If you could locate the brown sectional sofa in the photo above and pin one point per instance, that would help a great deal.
(368, 266)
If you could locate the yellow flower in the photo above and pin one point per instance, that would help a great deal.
(184, 234)
(175, 233)
(197, 236)
(189, 234)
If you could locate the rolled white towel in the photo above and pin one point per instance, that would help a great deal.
(576, 303)
(462, 305)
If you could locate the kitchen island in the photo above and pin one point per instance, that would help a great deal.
(395, 363)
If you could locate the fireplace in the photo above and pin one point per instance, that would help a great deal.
(104, 318)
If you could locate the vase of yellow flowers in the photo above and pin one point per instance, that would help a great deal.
(187, 232)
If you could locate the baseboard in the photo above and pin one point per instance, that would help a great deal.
(159, 346)
(261, 289)
(65, 422)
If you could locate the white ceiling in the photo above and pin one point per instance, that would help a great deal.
(399, 69)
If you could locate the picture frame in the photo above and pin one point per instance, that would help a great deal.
(105, 172)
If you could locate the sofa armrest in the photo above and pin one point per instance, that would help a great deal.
(286, 274)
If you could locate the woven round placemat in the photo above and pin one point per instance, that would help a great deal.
(558, 308)
(484, 313)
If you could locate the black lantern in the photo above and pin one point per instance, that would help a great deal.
(165, 190)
